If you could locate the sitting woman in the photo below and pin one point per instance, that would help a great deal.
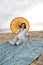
(21, 36)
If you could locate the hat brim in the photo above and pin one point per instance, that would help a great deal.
(14, 25)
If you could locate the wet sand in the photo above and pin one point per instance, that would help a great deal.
(32, 34)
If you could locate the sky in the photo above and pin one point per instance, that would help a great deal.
(32, 10)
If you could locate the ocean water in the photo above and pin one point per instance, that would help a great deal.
(5, 30)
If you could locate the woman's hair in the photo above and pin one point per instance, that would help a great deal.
(24, 25)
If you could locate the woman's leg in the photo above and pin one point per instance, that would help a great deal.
(13, 41)
(19, 42)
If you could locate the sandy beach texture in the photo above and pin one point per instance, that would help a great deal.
(38, 61)
(32, 34)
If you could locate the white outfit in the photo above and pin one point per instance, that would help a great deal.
(20, 37)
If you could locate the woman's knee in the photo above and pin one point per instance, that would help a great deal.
(18, 42)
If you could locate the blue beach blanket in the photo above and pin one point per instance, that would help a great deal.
(23, 54)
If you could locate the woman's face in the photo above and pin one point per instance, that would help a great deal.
(22, 26)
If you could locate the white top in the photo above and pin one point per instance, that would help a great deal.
(22, 34)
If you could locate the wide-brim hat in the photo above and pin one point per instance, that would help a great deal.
(14, 25)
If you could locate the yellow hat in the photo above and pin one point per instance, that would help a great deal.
(14, 25)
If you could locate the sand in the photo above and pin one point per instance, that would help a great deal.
(39, 60)
(32, 34)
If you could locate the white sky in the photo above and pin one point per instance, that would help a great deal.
(32, 10)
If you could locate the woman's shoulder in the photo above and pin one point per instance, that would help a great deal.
(25, 29)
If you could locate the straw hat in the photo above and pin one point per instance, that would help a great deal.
(14, 25)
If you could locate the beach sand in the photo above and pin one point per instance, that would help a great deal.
(38, 61)
(32, 34)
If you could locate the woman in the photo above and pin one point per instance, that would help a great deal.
(21, 35)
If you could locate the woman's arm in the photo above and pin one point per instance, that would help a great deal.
(27, 34)
(18, 31)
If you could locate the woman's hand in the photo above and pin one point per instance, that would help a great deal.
(27, 34)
